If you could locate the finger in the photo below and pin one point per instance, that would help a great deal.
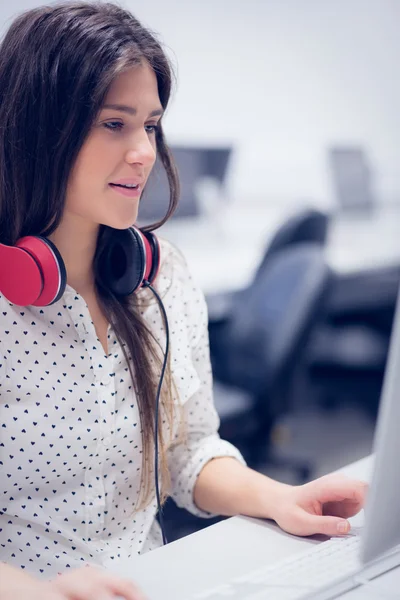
(120, 586)
(344, 508)
(77, 589)
(331, 489)
(331, 526)
(83, 584)
(125, 588)
(90, 582)
(53, 593)
(49, 594)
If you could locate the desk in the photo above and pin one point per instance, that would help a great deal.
(220, 552)
(223, 253)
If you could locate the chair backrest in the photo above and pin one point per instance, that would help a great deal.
(308, 225)
(268, 323)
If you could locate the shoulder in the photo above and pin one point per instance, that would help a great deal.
(182, 297)
(175, 273)
(171, 259)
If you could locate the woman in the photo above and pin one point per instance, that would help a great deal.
(83, 91)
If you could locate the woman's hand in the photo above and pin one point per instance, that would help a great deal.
(320, 506)
(86, 583)
(16, 584)
(89, 583)
(227, 487)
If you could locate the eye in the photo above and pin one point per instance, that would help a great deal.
(110, 125)
(152, 128)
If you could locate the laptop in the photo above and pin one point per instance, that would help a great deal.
(358, 560)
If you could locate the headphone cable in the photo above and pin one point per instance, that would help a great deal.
(157, 410)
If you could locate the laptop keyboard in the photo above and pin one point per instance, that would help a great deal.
(294, 577)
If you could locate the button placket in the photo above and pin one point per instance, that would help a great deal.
(105, 386)
(94, 504)
(95, 490)
(95, 510)
(94, 486)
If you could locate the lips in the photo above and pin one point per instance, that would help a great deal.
(130, 192)
(128, 181)
(126, 187)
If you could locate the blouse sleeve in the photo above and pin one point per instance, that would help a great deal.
(202, 442)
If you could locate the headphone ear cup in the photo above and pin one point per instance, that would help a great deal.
(55, 276)
(21, 280)
(30, 272)
(121, 263)
(128, 258)
(153, 256)
(51, 265)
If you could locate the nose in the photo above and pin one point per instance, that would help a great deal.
(141, 150)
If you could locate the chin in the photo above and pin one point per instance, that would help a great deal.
(120, 223)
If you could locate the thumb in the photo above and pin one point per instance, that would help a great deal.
(312, 524)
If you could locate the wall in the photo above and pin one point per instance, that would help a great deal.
(282, 80)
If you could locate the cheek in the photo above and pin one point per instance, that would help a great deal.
(92, 163)
(153, 158)
(78, 195)
(90, 170)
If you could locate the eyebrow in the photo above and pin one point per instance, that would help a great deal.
(131, 110)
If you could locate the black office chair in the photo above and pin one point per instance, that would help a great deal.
(257, 348)
(256, 351)
(346, 366)
(306, 226)
(347, 353)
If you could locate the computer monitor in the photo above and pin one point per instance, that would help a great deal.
(382, 525)
(192, 163)
(351, 178)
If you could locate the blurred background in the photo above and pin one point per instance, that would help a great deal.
(285, 128)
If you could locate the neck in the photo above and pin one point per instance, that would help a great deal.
(77, 246)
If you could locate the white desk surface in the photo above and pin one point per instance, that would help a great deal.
(228, 549)
(223, 252)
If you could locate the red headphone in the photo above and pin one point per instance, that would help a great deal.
(33, 272)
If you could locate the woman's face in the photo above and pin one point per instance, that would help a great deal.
(121, 147)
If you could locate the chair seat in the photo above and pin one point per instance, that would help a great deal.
(350, 347)
(230, 401)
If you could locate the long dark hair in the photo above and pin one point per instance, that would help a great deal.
(56, 65)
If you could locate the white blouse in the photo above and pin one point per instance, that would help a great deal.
(70, 443)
